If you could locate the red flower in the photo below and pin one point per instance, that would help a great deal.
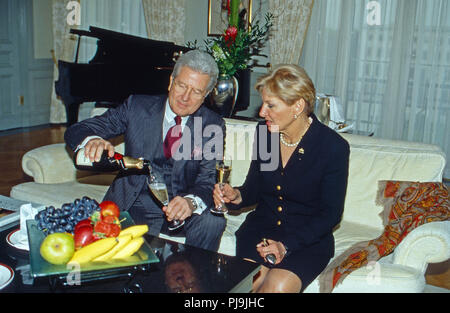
(230, 35)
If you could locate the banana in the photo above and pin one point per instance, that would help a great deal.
(135, 231)
(130, 259)
(123, 240)
(93, 250)
(130, 248)
(142, 255)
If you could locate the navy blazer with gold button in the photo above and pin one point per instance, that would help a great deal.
(301, 203)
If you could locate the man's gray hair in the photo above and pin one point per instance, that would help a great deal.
(201, 62)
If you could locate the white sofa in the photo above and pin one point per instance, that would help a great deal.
(56, 182)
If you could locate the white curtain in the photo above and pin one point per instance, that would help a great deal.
(388, 63)
(290, 28)
(165, 20)
(63, 49)
(124, 16)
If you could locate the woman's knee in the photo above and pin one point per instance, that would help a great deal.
(280, 281)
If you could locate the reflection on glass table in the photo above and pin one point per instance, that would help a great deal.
(190, 270)
(178, 268)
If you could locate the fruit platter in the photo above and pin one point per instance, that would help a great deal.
(86, 237)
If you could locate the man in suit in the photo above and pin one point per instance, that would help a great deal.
(146, 122)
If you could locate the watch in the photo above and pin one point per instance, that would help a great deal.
(193, 202)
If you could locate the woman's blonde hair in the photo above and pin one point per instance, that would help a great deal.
(290, 83)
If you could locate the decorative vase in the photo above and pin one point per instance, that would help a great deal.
(224, 95)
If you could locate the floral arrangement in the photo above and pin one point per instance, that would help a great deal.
(232, 50)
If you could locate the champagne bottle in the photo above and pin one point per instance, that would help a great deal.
(107, 164)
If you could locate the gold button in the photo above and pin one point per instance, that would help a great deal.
(280, 209)
(278, 187)
(280, 198)
(279, 223)
(282, 173)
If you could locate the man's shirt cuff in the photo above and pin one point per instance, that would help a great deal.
(201, 206)
(85, 141)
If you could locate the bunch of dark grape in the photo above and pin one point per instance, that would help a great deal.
(61, 220)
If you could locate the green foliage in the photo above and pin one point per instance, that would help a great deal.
(233, 54)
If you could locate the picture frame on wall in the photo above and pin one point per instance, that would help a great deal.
(218, 16)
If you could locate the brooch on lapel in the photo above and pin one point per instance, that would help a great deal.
(301, 151)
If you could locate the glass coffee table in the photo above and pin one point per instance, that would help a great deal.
(186, 269)
(181, 269)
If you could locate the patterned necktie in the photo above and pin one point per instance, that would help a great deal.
(172, 140)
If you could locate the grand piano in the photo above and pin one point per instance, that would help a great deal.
(122, 65)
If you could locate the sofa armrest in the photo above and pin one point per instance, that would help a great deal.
(53, 164)
(50, 164)
(429, 243)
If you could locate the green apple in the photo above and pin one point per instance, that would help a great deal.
(58, 248)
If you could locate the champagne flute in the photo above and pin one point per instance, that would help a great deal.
(159, 189)
(223, 173)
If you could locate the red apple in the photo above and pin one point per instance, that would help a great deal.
(83, 236)
(109, 208)
(86, 222)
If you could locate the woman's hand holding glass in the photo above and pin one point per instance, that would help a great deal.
(224, 193)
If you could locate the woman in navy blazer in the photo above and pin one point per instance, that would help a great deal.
(301, 200)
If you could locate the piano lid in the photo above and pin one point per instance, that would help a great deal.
(115, 47)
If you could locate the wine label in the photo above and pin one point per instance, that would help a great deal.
(82, 160)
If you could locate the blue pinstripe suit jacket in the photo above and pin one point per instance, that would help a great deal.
(140, 120)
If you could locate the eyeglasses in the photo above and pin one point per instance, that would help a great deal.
(181, 87)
